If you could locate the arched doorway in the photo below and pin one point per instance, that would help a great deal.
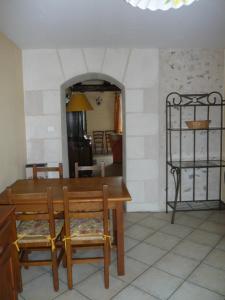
(75, 80)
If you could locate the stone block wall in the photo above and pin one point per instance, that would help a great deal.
(137, 70)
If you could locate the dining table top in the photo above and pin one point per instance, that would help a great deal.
(117, 190)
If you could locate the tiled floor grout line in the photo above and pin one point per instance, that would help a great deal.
(158, 230)
(200, 262)
(153, 265)
(193, 229)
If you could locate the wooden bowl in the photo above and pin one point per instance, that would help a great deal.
(198, 124)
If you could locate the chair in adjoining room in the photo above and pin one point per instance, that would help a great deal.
(37, 229)
(107, 140)
(98, 170)
(98, 140)
(86, 225)
(58, 169)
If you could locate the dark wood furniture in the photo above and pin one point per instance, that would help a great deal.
(116, 146)
(118, 196)
(86, 227)
(94, 168)
(37, 170)
(36, 231)
(79, 145)
(10, 283)
(98, 141)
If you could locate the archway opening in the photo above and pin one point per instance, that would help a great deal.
(81, 84)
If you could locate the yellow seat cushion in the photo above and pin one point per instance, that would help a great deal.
(86, 229)
(36, 231)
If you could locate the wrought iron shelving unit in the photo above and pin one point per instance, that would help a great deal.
(194, 156)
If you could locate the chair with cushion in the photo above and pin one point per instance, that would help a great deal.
(95, 169)
(98, 140)
(37, 170)
(86, 225)
(37, 229)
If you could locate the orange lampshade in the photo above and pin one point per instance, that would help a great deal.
(78, 102)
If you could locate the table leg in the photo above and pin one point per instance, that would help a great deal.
(120, 238)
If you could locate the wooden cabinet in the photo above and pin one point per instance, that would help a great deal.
(9, 264)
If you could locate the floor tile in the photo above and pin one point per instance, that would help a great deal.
(127, 224)
(213, 227)
(138, 232)
(177, 230)
(146, 253)
(133, 269)
(218, 217)
(93, 287)
(129, 243)
(80, 272)
(216, 258)
(163, 216)
(192, 250)
(42, 288)
(210, 278)
(135, 216)
(187, 220)
(162, 240)
(71, 295)
(204, 237)
(132, 293)
(157, 283)
(190, 291)
(199, 214)
(153, 223)
(31, 273)
(221, 244)
(176, 265)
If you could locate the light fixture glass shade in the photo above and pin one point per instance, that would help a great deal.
(78, 102)
(159, 4)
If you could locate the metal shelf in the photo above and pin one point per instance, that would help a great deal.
(197, 164)
(180, 108)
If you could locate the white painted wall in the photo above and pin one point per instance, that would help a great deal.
(12, 127)
(137, 69)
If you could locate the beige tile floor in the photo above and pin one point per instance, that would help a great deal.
(163, 261)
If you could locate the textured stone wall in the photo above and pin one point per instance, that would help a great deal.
(191, 71)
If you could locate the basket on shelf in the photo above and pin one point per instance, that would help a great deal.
(198, 124)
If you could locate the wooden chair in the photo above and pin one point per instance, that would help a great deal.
(98, 139)
(37, 230)
(94, 168)
(37, 170)
(86, 225)
(107, 140)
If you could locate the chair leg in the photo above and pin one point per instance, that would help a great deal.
(69, 267)
(106, 264)
(55, 270)
(25, 257)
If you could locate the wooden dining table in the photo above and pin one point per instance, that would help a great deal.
(118, 195)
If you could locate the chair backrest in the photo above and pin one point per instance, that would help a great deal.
(98, 139)
(33, 206)
(37, 170)
(107, 140)
(86, 205)
(101, 166)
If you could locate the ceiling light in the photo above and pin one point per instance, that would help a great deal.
(159, 4)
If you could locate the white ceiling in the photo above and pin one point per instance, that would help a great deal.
(111, 23)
